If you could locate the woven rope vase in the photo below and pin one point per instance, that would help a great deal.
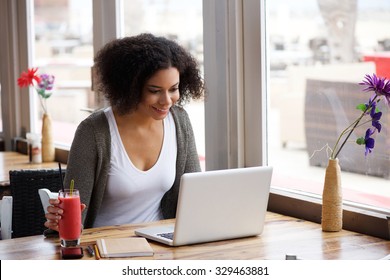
(48, 150)
(332, 198)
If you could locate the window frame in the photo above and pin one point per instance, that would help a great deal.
(235, 110)
(235, 107)
(15, 55)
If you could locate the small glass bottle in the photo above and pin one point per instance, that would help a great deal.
(36, 151)
(35, 147)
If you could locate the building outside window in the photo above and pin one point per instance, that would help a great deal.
(178, 20)
(319, 50)
(63, 48)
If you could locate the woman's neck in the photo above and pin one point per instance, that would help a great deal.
(135, 120)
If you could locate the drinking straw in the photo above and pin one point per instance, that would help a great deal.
(62, 181)
(71, 187)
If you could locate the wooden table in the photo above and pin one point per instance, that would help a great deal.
(17, 161)
(282, 235)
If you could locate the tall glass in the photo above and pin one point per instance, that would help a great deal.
(70, 222)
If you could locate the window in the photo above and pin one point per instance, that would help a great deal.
(178, 20)
(63, 48)
(318, 53)
(243, 123)
(237, 116)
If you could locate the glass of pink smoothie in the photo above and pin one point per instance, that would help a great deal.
(70, 222)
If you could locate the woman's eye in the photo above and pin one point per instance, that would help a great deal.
(156, 91)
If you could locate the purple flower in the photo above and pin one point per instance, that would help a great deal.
(43, 84)
(368, 141)
(47, 82)
(381, 89)
(375, 117)
(381, 86)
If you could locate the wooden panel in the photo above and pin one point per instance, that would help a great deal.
(282, 235)
(20, 145)
(17, 161)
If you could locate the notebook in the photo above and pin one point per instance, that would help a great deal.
(216, 205)
(123, 247)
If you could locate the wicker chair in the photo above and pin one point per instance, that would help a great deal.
(27, 213)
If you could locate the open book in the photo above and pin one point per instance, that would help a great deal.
(123, 247)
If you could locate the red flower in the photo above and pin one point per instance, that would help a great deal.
(27, 79)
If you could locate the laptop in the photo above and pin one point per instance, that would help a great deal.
(216, 205)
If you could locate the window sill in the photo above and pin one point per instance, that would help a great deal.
(355, 218)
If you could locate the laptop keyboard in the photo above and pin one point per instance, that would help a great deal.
(167, 235)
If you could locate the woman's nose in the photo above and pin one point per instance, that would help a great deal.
(165, 98)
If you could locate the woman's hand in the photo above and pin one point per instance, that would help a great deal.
(54, 214)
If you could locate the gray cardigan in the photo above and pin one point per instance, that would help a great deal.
(89, 162)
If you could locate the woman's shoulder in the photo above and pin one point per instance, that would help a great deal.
(96, 121)
(179, 112)
(93, 131)
(181, 119)
(97, 117)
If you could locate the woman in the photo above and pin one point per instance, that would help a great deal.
(127, 159)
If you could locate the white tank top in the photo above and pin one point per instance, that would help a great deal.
(133, 195)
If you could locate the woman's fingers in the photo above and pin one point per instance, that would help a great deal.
(52, 225)
(53, 215)
(54, 201)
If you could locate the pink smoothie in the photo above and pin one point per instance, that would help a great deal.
(70, 223)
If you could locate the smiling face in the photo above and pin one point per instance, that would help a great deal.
(160, 93)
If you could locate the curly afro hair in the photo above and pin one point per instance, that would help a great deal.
(124, 65)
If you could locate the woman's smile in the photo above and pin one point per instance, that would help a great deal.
(161, 92)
